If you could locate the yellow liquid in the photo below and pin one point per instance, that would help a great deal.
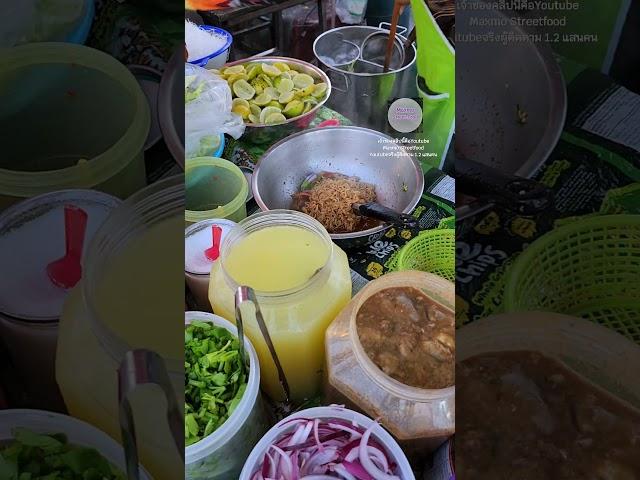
(140, 297)
(282, 258)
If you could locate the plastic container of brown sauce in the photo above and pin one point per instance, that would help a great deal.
(391, 354)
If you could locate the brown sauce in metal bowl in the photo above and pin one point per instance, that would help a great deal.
(522, 415)
(409, 337)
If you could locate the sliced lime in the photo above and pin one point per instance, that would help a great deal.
(305, 92)
(283, 67)
(239, 101)
(271, 70)
(288, 74)
(266, 79)
(266, 111)
(275, 118)
(311, 100)
(285, 85)
(262, 99)
(255, 109)
(275, 103)
(319, 89)
(307, 106)
(286, 97)
(293, 109)
(253, 71)
(241, 110)
(272, 91)
(233, 70)
(254, 118)
(231, 79)
(302, 80)
(242, 89)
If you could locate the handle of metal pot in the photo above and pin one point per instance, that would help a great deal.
(330, 73)
(387, 26)
(142, 367)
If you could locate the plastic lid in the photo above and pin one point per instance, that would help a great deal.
(197, 239)
(32, 235)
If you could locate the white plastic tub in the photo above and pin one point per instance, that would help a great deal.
(78, 433)
(220, 456)
(380, 434)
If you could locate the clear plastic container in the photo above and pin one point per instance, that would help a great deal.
(214, 188)
(421, 420)
(221, 455)
(101, 121)
(380, 434)
(78, 433)
(127, 300)
(197, 266)
(32, 235)
(296, 317)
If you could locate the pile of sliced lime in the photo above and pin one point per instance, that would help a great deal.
(268, 94)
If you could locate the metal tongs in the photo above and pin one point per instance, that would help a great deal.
(491, 187)
(143, 367)
(246, 294)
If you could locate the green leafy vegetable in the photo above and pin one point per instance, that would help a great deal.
(215, 379)
(35, 456)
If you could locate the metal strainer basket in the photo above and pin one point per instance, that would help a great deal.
(588, 268)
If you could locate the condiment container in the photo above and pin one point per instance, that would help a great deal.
(284, 426)
(214, 188)
(598, 354)
(127, 300)
(101, 122)
(198, 237)
(221, 455)
(78, 433)
(302, 282)
(442, 465)
(420, 419)
(32, 235)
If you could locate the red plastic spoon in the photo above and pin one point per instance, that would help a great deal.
(67, 271)
(213, 252)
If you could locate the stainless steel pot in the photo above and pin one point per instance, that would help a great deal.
(511, 102)
(259, 133)
(364, 98)
(352, 151)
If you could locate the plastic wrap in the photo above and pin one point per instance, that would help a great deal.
(207, 99)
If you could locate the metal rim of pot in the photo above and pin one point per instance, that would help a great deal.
(379, 29)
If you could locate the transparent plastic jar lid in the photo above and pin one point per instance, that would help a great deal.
(32, 235)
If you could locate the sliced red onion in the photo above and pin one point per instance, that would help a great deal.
(366, 461)
(326, 449)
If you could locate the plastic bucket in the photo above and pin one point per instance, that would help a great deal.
(380, 434)
(214, 188)
(78, 433)
(81, 32)
(218, 58)
(220, 456)
(74, 118)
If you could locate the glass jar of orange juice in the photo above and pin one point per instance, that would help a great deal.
(301, 280)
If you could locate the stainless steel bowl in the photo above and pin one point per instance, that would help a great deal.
(353, 151)
(258, 133)
(171, 106)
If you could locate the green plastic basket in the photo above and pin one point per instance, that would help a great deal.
(432, 251)
(588, 268)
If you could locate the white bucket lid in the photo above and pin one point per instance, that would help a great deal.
(32, 235)
(197, 238)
